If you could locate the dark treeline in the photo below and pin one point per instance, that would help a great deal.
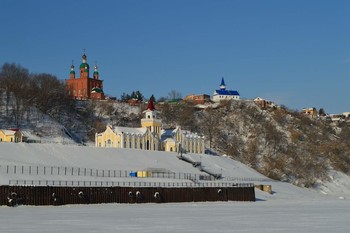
(21, 91)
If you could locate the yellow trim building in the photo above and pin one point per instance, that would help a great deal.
(150, 136)
(7, 135)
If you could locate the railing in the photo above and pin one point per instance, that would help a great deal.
(31, 170)
(67, 183)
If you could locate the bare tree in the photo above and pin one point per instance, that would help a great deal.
(174, 95)
(49, 93)
(186, 118)
(13, 80)
(169, 114)
(15, 83)
(209, 122)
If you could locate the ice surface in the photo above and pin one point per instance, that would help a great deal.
(300, 216)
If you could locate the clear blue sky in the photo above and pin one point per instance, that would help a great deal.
(296, 52)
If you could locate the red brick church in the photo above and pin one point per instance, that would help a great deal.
(85, 87)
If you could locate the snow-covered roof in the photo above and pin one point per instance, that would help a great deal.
(190, 134)
(169, 140)
(8, 132)
(129, 130)
(226, 92)
(167, 132)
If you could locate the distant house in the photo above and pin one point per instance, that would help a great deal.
(311, 112)
(262, 103)
(198, 99)
(223, 94)
(337, 117)
(346, 114)
(11, 135)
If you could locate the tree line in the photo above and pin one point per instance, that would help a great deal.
(21, 90)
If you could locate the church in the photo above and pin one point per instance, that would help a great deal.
(223, 94)
(84, 87)
(150, 136)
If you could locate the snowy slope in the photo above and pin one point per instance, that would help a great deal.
(23, 154)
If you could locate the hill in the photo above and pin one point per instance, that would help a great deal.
(277, 142)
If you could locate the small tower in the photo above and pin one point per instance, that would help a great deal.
(72, 72)
(150, 119)
(95, 72)
(84, 68)
(222, 85)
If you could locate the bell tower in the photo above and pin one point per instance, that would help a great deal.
(84, 68)
(151, 120)
(72, 72)
(95, 72)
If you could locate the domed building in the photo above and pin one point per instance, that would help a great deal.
(84, 87)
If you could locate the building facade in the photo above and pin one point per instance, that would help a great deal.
(150, 136)
(11, 135)
(311, 112)
(223, 94)
(262, 103)
(198, 99)
(84, 87)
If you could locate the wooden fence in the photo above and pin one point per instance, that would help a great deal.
(52, 195)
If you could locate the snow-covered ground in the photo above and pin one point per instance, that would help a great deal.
(288, 209)
(303, 215)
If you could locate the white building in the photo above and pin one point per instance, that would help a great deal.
(223, 94)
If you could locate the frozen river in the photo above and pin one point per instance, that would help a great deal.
(328, 215)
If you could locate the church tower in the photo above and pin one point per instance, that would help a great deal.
(95, 72)
(84, 68)
(222, 85)
(151, 120)
(72, 72)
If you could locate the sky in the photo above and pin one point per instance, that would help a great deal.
(295, 53)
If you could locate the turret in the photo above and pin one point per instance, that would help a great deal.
(84, 68)
(95, 72)
(72, 72)
(150, 119)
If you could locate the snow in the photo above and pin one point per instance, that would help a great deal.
(261, 216)
(288, 209)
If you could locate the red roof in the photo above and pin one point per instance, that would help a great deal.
(150, 105)
(14, 129)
